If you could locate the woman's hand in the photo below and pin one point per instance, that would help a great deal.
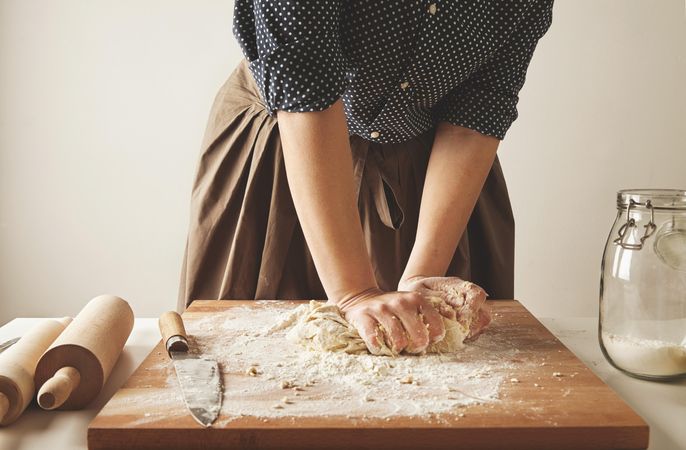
(467, 299)
(401, 320)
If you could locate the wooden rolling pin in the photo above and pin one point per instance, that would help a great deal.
(74, 369)
(18, 365)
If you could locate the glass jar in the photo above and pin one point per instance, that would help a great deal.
(642, 324)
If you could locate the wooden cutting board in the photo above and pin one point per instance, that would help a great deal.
(537, 410)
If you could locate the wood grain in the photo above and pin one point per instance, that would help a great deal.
(578, 412)
(90, 345)
(18, 366)
(171, 326)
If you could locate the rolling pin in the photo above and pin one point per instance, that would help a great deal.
(74, 369)
(18, 365)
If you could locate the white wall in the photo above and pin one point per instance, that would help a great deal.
(103, 105)
(603, 108)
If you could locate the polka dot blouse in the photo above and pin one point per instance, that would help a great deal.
(400, 66)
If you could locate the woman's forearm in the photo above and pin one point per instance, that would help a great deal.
(319, 169)
(458, 166)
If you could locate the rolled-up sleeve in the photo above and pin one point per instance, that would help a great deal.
(487, 100)
(294, 51)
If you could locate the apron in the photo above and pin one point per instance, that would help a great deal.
(245, 241)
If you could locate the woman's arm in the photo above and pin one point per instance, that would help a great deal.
(459, 163)
(320, 176)
(319, 169)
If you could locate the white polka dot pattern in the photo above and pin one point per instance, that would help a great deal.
(400, 66)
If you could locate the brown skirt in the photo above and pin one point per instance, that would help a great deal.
(245, 241)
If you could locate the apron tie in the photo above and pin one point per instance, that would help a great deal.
(380, 176)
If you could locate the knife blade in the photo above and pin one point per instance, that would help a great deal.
(199, 377)
(7, 344)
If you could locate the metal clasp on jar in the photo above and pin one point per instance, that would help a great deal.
(625, 230)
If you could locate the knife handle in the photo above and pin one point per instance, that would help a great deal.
(173, 332)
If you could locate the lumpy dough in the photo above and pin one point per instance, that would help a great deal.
(320, 326)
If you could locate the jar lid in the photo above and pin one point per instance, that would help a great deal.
(664, 199)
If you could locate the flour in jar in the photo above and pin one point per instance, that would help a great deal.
(653, 357)
(647, 346)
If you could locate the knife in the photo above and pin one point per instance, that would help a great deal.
(199, 377)
(7, 344)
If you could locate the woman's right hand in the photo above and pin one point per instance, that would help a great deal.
(467, 299)
(402, 320)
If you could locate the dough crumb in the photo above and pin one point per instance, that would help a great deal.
(407, 380)
(277, 406)
(287, 384)
(514, 380)
(252, 371)
(287, 401)
(557, 374)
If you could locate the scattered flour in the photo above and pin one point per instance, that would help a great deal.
(258, 363)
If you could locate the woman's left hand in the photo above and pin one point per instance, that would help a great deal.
(467, 299)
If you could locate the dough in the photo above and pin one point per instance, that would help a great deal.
(320, 326)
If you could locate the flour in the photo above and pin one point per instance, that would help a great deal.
(316, 384)
(646, 356)
(648, 346)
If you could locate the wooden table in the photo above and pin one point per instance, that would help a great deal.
(583, 413)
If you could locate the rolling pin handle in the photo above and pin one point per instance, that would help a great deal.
(57, 389)
(173, 332)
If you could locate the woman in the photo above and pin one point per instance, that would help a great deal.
(352, 155)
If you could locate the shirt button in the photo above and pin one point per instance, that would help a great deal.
(375, 134)
(404, 84)
(432, 8)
